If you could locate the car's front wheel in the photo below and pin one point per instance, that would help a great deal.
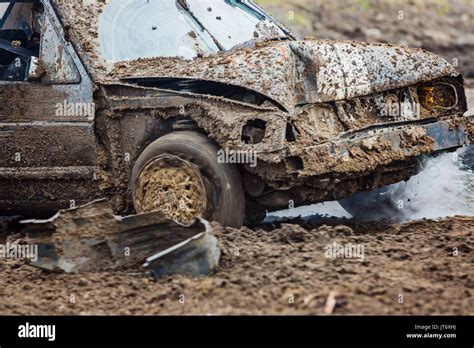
(179, 174)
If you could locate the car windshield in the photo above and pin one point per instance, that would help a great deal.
(135, 29)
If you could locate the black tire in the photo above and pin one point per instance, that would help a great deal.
(382, 203)
(225, 199)
(255, 214)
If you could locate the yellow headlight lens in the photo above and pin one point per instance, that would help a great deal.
(441, 96)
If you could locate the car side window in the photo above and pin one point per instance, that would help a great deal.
(19, 38)
(30, 46)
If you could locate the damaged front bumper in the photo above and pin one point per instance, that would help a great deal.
(443, 135)
(363, 161)
(367, 150)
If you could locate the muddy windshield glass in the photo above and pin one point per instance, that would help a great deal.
(178, 28)
(233, 22)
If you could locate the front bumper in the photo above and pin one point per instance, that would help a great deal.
(446, 134)
(372, 149)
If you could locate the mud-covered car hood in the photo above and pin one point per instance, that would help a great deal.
(299, 72)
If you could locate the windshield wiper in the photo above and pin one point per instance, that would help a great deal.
(184, 5)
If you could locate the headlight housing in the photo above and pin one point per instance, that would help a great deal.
(439, 96)
(426, 100)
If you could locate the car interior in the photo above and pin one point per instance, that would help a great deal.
(20, 34)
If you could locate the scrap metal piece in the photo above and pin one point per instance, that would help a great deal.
(91, 238)
(197, 256)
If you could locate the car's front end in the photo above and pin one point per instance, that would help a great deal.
(367, 115)
(319, 120)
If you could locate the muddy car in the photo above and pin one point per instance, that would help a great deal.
(207, 108)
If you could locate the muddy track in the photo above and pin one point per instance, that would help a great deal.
(281, 269)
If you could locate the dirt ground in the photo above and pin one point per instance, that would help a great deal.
(284, 269)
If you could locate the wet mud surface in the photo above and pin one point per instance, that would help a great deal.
(279, 269)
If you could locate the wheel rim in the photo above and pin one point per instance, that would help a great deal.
(173, 186)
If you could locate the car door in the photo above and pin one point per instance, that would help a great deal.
(47, 143)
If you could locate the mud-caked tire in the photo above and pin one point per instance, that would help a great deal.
(179, 174)
(380, 204)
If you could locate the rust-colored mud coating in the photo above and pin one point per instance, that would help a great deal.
(172, 187)
(16, 105)
(470, 130)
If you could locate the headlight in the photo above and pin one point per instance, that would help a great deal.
(439, 96)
